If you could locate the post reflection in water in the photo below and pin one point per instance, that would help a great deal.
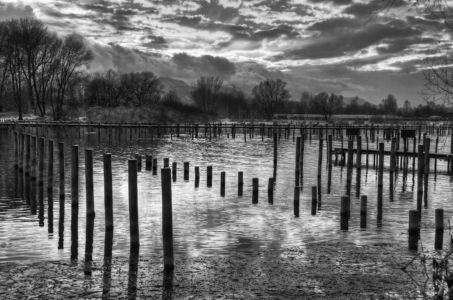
(107, 276)
(167, 284)
(133, 270)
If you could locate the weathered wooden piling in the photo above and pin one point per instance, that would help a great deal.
(133, 204)
(296, 201)
(222, 184)
(344, 213)
(173, 170)
(420, 180)
(275, 155)
(240, 183)
(138, 158)
(380, 182)
(108, 205)
(301, 161)
(154, 166)
(427, 142)
(74, 202)
(363, 211)
(41, 180)
(50, 185)
(255, 190)
(209, 176)
(270, 191)
(167, 219)
(439, 236)
(414, 229)
(148, 162)
(197, 176)
(297, 172)
(314, 200)
(186, 171)
(61, 195)
(90, 213)
(349, 168)
(166, 162)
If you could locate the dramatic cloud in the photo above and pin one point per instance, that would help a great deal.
(347, 46)
(11, 11)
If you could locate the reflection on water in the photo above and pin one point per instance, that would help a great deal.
(204, 222)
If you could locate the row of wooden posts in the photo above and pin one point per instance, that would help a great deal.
(25, 153)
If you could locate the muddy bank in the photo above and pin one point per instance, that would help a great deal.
(333, 271)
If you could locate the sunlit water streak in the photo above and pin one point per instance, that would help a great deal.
(206, 223)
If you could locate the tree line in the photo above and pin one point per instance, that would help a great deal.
(43, 73)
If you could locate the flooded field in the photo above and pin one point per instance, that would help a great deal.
(204, 222)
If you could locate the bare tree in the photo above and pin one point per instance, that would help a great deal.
(205, 92)
(73, 54)
(270, 95)
(141, 88)
(12, 57)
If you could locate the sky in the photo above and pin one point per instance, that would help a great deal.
(365, 48)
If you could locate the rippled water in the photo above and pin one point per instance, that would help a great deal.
(204, 222)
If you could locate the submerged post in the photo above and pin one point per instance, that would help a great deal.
(209, 176)
(240, 183)
(344, 213)
(167, 219)
(108, 204)
(90, 214)
(439, 237)
(296, 201)
(363, 211)
(255, 190)
(414, 229)
(222, 184)
(74, 202)
(133, 204)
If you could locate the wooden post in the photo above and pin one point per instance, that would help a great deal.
(270, 191)
(74, 202)
(186, 171)
(349, 168)
(155, 166)
(50, 185)
(301, 161)
(197, 176)
(275, 156)
(414, 229)
(222, 184)
(255, 190)
(209, 176)
(296, 201)
(363, 211)
(148, 162)
(90, 214)
(133, 204)
(108, 204)
(166, 162)
(41, 180)
(380, 182)
(297, 161)
(439, 237)
(61, 195)
(173, 170)
(240, 183)
(167, 220)
(420, 180)
(314, 200)
(138, 158)
(427, 142)
(344, 213)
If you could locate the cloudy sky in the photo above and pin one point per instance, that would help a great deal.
(354, 47)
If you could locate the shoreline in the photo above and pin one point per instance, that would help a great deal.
(329, 271)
